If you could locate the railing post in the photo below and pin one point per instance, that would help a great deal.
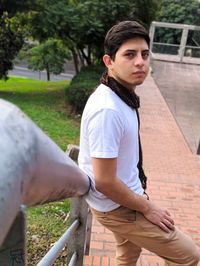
(12, 251)
(151, 35)
(88, 232)
(183, 43)
(73, 151)
(78, 210)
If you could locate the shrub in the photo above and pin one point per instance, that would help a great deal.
(82, 85)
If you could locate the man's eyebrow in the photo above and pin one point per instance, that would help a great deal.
(132, 50)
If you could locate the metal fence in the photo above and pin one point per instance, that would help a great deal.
(182, 50)
(33, 171)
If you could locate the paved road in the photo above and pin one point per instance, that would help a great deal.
(180, 87)
(24, 72)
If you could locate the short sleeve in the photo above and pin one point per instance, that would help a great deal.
(105, 130)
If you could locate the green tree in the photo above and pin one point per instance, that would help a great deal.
(14, 6)
(11, 41)
(182, 12)
(83, 24)
(147, 10)
(50, 56)
(11, 33)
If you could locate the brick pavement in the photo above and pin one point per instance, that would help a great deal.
(173, 172)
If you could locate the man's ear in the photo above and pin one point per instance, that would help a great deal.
(107, 60)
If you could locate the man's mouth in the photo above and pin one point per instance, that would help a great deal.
(139, 73)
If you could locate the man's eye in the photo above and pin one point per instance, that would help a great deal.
(130, 55)
(145, 55)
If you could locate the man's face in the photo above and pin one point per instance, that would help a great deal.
(131, 64)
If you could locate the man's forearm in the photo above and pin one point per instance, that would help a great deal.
(121, 194)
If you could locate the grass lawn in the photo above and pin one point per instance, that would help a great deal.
(44, 103)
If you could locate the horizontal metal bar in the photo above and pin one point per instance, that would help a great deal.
(175, 25)
(192, 47)
(53, 253)
(176, 45)
(73, 260)
(166, 44)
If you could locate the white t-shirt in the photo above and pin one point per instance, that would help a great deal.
(109, 129)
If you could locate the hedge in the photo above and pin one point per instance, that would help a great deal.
(82, 85)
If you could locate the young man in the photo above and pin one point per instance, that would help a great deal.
(110, 154)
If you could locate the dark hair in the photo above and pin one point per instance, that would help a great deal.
(122, 32)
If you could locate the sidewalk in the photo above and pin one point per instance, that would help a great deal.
(179, 85)
(173, 177)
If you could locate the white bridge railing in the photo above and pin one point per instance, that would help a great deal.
(33, 171)
(181, 52)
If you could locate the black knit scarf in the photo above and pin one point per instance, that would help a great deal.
(132, 100)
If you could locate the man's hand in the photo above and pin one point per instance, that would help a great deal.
(159, 217)
(109, 184)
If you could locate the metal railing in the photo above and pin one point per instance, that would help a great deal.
(179, 52)
(33, 171)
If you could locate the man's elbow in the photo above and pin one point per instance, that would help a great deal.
(103, 186)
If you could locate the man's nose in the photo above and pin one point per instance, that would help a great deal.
(139, 61)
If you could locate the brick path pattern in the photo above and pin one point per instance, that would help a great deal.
(173, 177)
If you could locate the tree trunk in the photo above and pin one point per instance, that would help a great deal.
(87, 58)
(89, 54)
(48, 73)
(75, 59)
(81, 58)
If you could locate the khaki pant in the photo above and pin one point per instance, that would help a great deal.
(133, 231)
